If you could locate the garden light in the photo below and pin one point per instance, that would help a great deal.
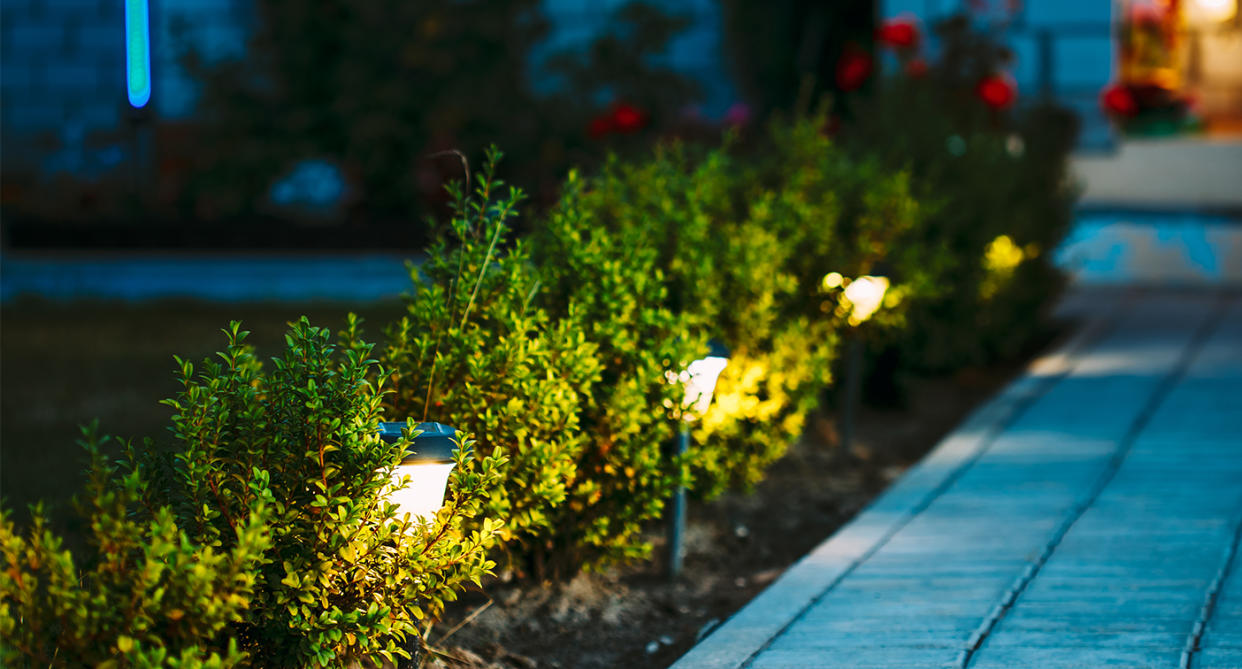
(866, 294)
(1211, 11)
(699, 379)
(428, 462)
(861, 298)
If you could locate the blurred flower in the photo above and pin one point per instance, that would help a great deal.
(853, 68)
(1015, 145)
(832, 126)
(998, 91)
(899, 33)
(916, 68)
(955, 145)
(738, 114)
(599, 126)
(627, 118)
(1118, 100)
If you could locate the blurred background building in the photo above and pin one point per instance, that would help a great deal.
(210, 146)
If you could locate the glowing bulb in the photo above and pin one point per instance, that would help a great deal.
(866, 294)
(699, 379)
(424, 495)
(1211, 11)
(428, 462)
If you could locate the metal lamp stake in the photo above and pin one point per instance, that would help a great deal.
(677, 510)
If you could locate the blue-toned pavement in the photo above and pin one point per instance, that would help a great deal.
(1087, 517)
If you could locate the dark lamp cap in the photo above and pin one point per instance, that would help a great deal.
(434, 443)
(717, 349)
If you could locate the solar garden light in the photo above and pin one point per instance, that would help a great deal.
(862, 297)
(699, 381)
(428, 462)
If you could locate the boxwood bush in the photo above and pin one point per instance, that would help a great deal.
(477, 350)
(145, 591)
(743, 236)
(262, 537)
(610, 281)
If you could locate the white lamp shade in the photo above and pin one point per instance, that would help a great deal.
(699, 380)
(423, 495)
(866, 294)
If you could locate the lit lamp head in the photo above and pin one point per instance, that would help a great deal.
(1206, 12)
(866, 294)
(699, 379)
(428, 462)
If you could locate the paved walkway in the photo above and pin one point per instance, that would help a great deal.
(1087, 517)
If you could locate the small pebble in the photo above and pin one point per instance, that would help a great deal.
(653, 647)
(741, 531)
(740, 582)
(666, 640)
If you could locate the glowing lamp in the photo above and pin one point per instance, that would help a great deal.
(428, 462)
(866, 294)
(1211, 11)
(699, 379)
(137, 53)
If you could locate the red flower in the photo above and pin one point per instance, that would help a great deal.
(853, 68)
(599, 126)
(998, 91)
(1117, 100)
(899, 33)
(916, 68)
(628, 118)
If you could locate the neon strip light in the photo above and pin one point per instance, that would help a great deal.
(137, 53)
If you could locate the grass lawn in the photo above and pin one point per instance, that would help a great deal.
(62, 366)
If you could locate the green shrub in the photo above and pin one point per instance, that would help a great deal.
(345, 576)
(725, 276)
(609, 280)
(477, 351)
(265, 536)
(743, 238)
(146, 592)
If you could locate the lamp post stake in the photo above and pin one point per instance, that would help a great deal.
(677, 511)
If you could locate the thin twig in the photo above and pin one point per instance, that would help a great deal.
(487, 258)
(465, 163)
(465, 621)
